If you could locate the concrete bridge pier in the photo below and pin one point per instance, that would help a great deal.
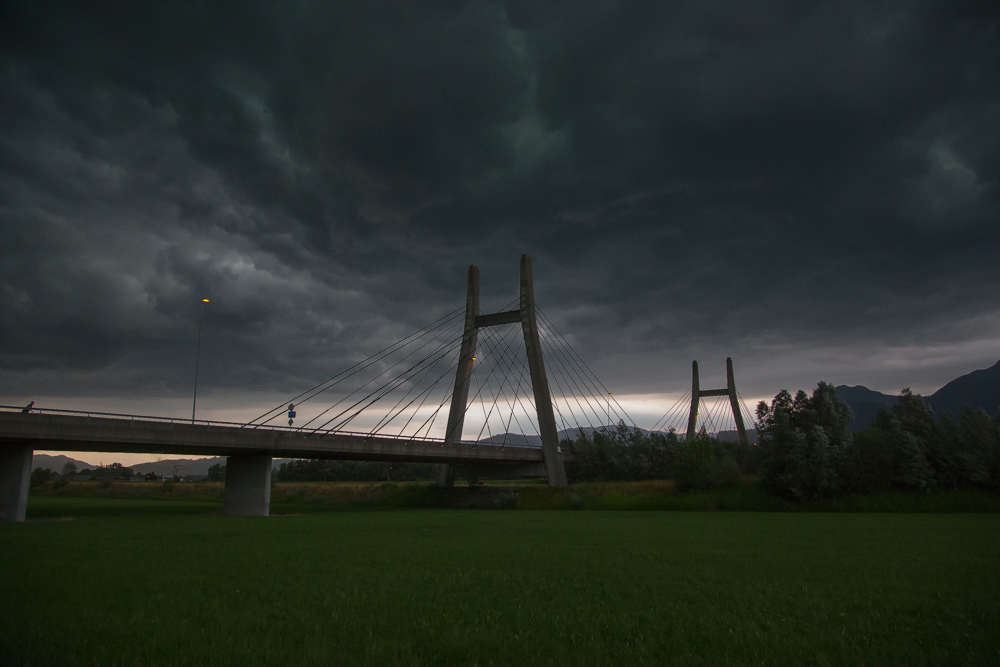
(15, 474)
(248, 485)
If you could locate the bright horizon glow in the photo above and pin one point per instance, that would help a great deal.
(645, 409)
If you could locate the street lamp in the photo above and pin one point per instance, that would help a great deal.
(197, 358)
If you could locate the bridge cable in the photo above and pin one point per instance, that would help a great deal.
(393, 413)
(557, 377)
(380, 388)
(384, 390)
(522, 371)
(390, 416)
(684, 399)
(588, 385)
(366, 364)
(564, 363)
(426, 394)
(570, 377)
(751, 417)
(485, 331)
(500, 392)
(594, 402)
(575, 353)
(386, 350)
(450, 331)
(479, 387)
(496, 360)
(667, 420)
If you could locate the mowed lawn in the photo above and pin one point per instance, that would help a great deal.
(171, 583)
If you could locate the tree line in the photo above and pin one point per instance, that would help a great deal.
(807, 451)
(625, 454)
(108, 473)
(318, 470)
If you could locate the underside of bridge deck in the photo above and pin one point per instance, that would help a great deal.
(249, 450)
(100, 434)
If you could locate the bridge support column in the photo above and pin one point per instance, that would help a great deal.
(15, 474)
(695, 397)
(741, 430)
(460, 397)
(554, 465)
(248, 485)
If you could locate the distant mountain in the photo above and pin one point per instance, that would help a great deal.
(513, 439)
(978, 389)
(184, 466)
(196, 467)
(864, 402)
(56, 463)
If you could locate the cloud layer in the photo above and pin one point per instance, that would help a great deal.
(812, 190)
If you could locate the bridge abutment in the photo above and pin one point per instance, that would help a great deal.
(15, 475)
(248, 485)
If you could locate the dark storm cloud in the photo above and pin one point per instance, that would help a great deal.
(764, 180)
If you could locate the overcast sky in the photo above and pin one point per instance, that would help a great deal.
(810, 188)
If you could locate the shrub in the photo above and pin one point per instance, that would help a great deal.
(39, 476)
(623, 454)
(696, 466)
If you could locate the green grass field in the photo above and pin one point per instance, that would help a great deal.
(134, 582)
(299, 497)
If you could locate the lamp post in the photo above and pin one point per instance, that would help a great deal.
(197, 358)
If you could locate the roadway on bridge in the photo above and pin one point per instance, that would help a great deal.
(53, 432)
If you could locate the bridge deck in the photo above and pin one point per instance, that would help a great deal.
(57, 432)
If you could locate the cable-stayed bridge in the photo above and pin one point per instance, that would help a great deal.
(492, 393)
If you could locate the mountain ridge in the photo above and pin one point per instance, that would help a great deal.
(977, 389)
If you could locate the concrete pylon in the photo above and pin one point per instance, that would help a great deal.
(525, 314)
(539, 381)
(697, 392)
(463, 376)
(734, 401)
(248, 485)
(695, 398)
(15, 476)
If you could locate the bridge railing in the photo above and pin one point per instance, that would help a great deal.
(215, 422)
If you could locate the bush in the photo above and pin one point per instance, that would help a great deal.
(906, 449)
(39, 476)
(623, 454)
(696, 467)
(807, 453)
(626, 455)
(869, 462)
(318, 470)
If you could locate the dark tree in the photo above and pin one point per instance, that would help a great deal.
(802, 441)
(39, 476)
